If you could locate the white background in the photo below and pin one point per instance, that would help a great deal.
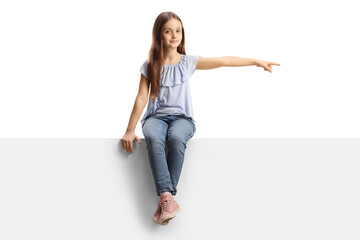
(71, 68)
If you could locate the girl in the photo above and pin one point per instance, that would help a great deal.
(169, 121)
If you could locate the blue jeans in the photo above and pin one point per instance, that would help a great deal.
(169, 134)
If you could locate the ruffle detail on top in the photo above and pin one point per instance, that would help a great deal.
(175, 74)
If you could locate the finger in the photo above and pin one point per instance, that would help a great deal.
(138, 140)
(125, 146)
(131, 147)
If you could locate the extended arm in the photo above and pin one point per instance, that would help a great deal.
(230, 61)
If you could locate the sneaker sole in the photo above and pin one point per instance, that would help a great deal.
(169, 216)
(156, 221)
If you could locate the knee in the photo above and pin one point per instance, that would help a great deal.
(153, 139)
(177, 141)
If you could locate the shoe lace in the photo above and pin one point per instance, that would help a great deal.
(165, 206)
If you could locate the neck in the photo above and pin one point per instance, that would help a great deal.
(170, 54)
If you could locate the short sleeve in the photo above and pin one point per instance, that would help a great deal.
(143, 69)
(192, 61)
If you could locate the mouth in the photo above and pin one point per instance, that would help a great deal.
(174, 41)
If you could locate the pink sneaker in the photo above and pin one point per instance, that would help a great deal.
(169, 208)
(156, 217)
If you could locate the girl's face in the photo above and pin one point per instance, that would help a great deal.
(172, 33)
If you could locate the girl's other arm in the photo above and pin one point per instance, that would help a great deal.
(139, 105)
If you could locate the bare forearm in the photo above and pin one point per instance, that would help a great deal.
(230, 61)
(135, 114)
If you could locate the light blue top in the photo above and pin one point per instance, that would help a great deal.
(174, 96)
